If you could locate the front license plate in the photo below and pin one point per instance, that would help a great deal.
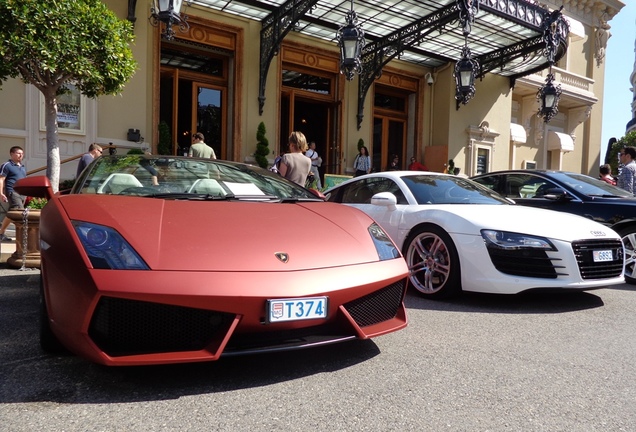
(295, 309)
(602, 255)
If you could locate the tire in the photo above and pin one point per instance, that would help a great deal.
(628, 235)
(433, 262)
(48, 341)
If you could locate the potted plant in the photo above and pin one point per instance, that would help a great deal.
(262, 146)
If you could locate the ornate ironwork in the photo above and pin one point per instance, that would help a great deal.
(132, 7)
(275, 27)
(378, 53)
(555, 32)
(467, 11)
(521, 12)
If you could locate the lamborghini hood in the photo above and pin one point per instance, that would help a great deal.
(233, 235)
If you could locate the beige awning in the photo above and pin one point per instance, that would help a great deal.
(518, 133)
(560, 141)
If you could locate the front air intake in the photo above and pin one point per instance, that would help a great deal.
(122, 327)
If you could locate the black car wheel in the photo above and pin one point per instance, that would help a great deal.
(628, 234)
(433, 262)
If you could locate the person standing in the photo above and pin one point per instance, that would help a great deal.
(395, 163)
(416, 166)
(362, 162)
(94, 150)
(10, 172)
(199, 148)
(627, 176)
(316, 161)
(295, 166)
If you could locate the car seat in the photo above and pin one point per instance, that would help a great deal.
(207, 186)
(117, 182)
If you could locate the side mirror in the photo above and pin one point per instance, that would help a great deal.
(36, 186)
(318, 194)
(384, 199)
(556, 194)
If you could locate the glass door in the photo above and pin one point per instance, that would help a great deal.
(389, 138)
(207, 116)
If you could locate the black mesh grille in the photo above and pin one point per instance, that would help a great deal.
(583, 250)
(525, 262)
(128, 327)
(378, 306)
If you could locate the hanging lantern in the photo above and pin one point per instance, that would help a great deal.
(350, 37)
(169, 13)
(548, 96)
(465, 71)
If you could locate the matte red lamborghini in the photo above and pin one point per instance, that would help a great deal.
(153, 260)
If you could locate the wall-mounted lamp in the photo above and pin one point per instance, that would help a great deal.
(350, 37)
(429, 79)
(168, 12)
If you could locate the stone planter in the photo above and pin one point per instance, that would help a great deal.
(30, 259)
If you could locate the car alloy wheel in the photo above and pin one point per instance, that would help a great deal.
(433, 262)
(628, 236)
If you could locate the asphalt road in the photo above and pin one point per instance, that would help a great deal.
(541, 362)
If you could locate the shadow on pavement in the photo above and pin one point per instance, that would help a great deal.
(532, 302)
(29, 375)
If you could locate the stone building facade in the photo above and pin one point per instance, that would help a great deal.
(210, 78)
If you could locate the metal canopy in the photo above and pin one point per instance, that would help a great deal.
(507, 36)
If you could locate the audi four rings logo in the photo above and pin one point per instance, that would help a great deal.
(597, 233)
(282, 257)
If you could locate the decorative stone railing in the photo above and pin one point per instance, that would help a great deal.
(570, 79)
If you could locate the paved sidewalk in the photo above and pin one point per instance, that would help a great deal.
(7, 248)
(5, 270)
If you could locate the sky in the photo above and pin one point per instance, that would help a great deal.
(620, 58)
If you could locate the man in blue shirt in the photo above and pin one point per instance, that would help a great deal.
(10, 172)
(94, 151)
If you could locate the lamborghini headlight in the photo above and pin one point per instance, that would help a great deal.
(510, 240)
(383, 244)
(107, 249)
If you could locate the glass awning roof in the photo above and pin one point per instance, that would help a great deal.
(506, 36)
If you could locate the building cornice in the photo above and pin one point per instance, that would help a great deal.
(588, 11)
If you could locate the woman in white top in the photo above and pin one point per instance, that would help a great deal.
(295, 166)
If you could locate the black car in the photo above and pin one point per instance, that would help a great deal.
(572, 193)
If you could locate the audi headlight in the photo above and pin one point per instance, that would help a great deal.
(383, 244)
(107, 249)
(510, 240)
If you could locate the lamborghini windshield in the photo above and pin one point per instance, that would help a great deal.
(176, 177)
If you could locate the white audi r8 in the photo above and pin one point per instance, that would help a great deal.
(458, 235)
